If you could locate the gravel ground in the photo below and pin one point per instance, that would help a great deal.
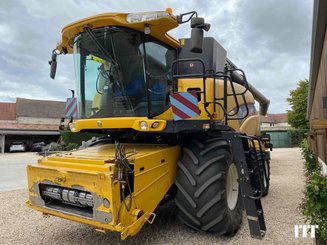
(20, 225)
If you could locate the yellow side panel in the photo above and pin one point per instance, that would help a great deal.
(251, 125)
(93, 170)
(231, 100)
(188, 84)
(235, 124)
(154, 173)
(99, 184)
(118, 123)
(167, 115)
(197, 83)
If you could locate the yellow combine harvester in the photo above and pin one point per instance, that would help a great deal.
(180, 122)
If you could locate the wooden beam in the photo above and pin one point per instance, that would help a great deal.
(317, 124)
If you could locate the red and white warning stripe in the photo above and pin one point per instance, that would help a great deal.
(184, 105)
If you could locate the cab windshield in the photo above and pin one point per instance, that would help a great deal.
(121, 73)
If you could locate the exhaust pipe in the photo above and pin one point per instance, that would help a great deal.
(258, 96)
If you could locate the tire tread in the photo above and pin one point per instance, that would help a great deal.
(201, 195)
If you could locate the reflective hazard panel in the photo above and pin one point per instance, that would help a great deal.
(71, 108)
(184, 105)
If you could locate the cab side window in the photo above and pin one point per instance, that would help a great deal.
(158, 62)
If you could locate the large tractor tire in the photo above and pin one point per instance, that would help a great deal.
(208, 194)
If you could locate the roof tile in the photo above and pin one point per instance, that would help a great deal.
(274, 118)
(40, 108)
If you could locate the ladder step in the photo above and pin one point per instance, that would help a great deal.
(243, 156)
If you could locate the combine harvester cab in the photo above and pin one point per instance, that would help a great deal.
(180, 124)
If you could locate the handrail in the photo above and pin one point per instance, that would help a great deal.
(210, 73)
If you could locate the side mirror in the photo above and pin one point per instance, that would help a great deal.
(197, 25)
(53, 64)
(196, 40)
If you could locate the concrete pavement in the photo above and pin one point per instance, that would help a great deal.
(13, 169)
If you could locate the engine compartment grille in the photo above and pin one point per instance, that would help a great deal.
(67, 200)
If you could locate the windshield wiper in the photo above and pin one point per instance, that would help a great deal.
(99, 45)
(104, 52)
(114, 64)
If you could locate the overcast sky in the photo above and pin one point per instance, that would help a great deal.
(268, 39)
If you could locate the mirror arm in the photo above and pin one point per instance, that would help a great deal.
(191, 14)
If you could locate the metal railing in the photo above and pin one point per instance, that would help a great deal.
(222, 102)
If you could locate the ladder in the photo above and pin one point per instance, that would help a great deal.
(251, 185)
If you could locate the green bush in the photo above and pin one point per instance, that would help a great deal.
(309, 157)
(314, 204)
(71, 146)
(53, 147)
(297, 136)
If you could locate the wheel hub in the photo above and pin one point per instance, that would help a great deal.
(232, 187)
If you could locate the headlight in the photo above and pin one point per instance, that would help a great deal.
(72, 127)
(143, 125)
(140, 17)
(155, 125)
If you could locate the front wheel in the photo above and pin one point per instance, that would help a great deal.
(208, 193)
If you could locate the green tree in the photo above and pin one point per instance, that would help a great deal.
(298, 102)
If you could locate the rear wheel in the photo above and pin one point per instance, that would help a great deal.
(208, 193)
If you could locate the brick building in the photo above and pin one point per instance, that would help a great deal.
(29, 120)
(272, 122)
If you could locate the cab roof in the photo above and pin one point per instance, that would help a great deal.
(158, 27)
